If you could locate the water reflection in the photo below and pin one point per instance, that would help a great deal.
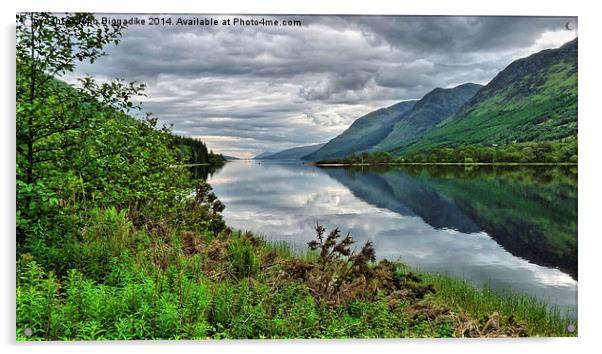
(530, 211)
(511, 228)
(203, 171)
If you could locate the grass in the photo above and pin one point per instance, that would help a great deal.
(482, 302)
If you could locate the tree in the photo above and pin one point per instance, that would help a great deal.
(73, 144)
(48, 45)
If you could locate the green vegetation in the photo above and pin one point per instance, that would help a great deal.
(520, 314)
(529, 152)
(113, 242)
(551, 152)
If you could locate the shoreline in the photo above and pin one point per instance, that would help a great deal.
(506, 296)
(318, 164)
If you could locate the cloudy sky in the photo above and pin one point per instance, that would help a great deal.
(247, 89)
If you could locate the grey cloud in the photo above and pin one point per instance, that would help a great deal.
(273, 87)
(417, 73)
(336, 83)
(452, 35)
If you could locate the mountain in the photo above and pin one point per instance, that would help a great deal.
(230, 158)
(263, 155)
(433, 108)
(295, 153)
(532, 99)
(363, 134)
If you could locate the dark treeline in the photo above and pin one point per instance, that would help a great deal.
(528, 152)
(194, 151)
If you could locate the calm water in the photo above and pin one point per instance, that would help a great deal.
(511, 228)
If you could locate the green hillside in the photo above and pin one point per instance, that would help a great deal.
(533, 99)
(433, 108)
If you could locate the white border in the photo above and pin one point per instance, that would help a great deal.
(589, 190)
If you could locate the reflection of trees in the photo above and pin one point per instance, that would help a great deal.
(525, 174)
(204, 171)
(530, 211)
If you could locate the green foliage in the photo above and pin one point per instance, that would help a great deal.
(480, 303)
(203, 210)
(108, 234)
(65, 136)
(135, 301)
(48, 115)
(37, 296)
(242, 258)
(529, 152)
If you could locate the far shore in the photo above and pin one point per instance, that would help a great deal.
(342, 164)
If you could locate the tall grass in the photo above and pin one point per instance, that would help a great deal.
(542, 319)
(286, 249)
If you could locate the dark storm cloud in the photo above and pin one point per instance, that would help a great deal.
(248, 89)
(443, 35)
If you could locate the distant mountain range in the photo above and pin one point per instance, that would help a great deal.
(532, 99)
(295, 153)
(263, 155)
(398, 125)
(364, 133)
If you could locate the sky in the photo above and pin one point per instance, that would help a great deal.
(248, 89)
